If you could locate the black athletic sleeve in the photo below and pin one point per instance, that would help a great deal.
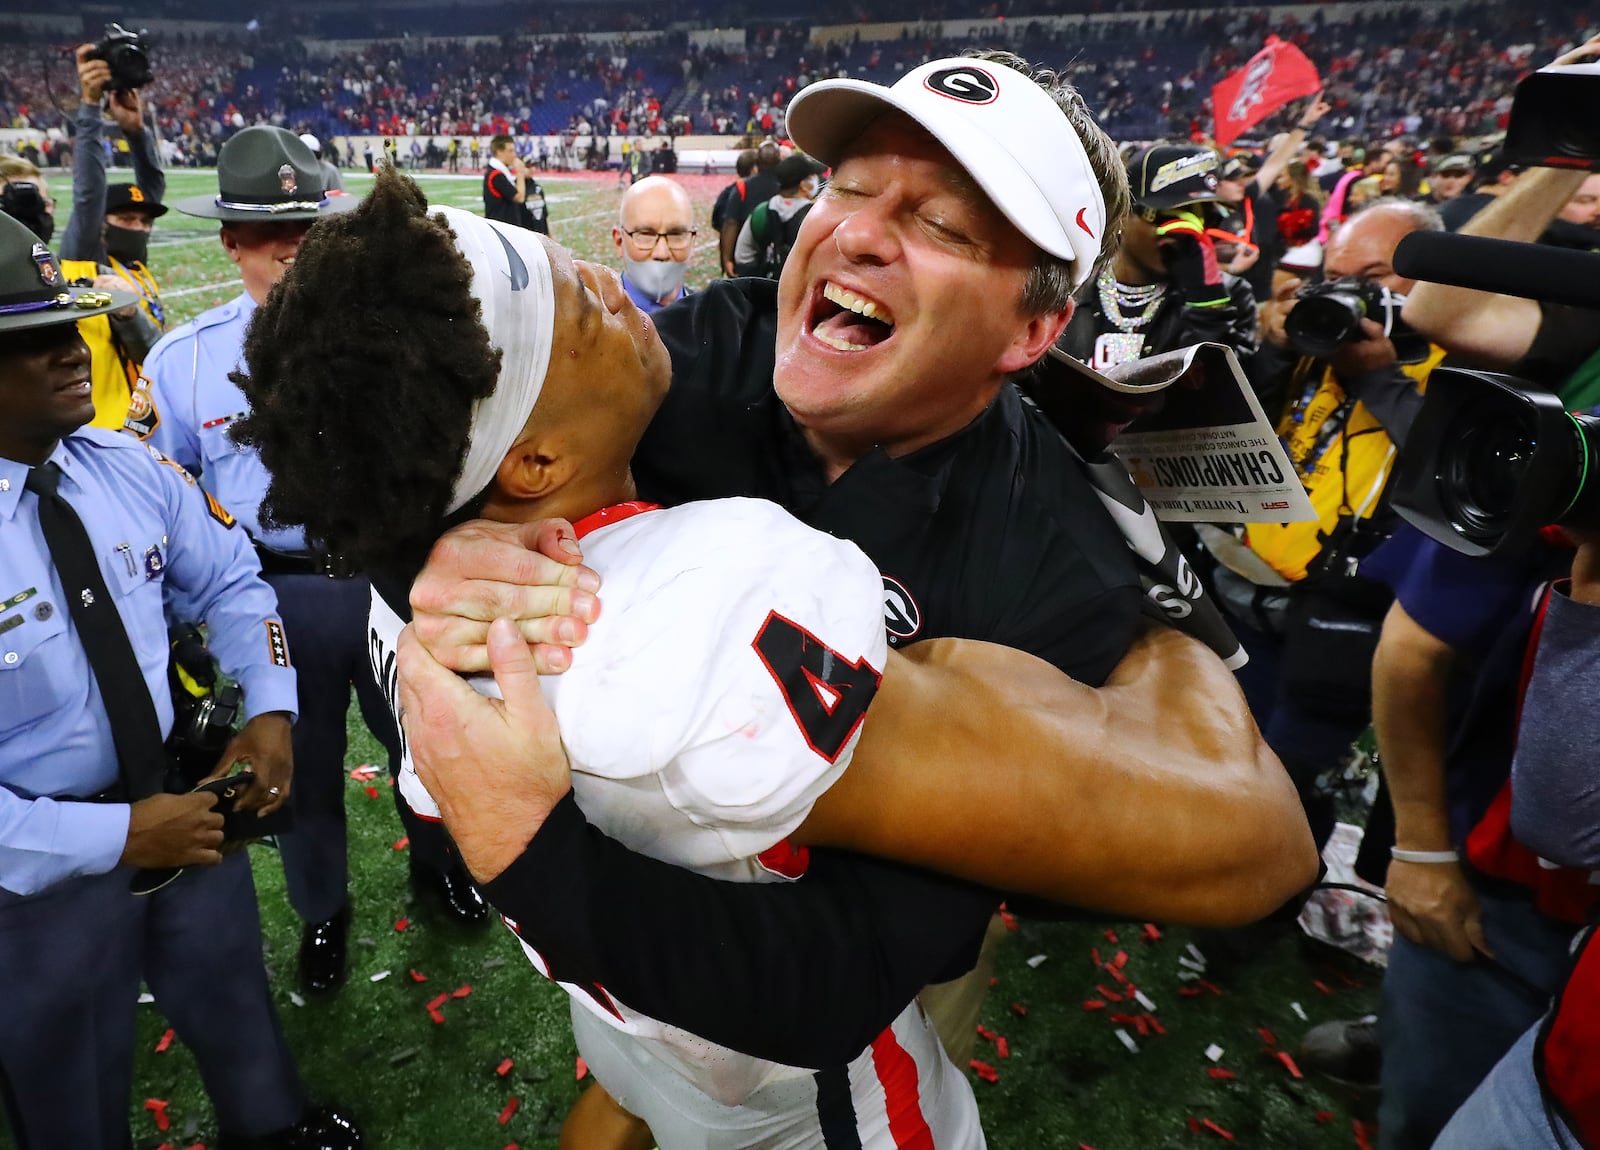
(805, 973)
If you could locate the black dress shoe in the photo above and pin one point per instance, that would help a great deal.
(319, 1128)
(451, 892)
(324, 954)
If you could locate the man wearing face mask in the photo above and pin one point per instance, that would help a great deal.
(118, 341)
(655, 236)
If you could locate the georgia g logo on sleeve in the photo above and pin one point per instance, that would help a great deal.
(968, 83)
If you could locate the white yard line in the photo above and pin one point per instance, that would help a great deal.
(200, 288)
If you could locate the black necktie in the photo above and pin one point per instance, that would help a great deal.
(135, 729)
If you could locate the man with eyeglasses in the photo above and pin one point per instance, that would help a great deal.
(655, 235)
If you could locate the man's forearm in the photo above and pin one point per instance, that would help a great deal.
(81, 239)
(1152, 797)
(147, 170)
(1494, 329)
(1408, 714)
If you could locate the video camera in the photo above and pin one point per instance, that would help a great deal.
(1491, 459)
(1328, 316)
(128, 57)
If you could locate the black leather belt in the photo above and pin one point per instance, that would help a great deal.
(282, 563)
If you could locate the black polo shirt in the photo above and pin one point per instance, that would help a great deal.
(993, 534)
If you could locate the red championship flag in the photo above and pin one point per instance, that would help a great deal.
(1275, 75)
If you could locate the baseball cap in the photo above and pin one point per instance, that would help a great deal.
(1171, 175)
(1002, 128)
(1456, 163)
(311, 142)
(133, 198)
(1238, 167)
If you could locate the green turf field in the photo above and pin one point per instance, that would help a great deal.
(1068, 1082)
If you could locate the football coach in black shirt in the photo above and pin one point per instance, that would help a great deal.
(867, 392)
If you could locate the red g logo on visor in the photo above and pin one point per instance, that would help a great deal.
(968, 84)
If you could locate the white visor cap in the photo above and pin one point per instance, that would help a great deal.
(1002, 128)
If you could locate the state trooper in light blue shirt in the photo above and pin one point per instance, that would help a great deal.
(270, 193)
(74, 940)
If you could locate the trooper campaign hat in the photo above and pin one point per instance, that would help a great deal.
(33, 290)
(265, 174)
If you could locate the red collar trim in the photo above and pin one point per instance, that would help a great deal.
(616, 513)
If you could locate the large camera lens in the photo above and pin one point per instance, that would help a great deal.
(1322, 324)
(1480, 477)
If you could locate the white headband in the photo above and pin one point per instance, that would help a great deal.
(512, 282)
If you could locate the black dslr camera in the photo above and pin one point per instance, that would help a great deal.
(128, 57)
(206, 709)
(1490, 460)
(1328, 316)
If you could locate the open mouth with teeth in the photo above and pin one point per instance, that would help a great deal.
(848, 321)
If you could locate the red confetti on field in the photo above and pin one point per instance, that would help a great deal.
(1111, 937)
(985, 1033)
(1322, 986)
(1194, 1127)
(504, 1068)
(1093, 1004)
(401, 923)
(1189, 992)
(1002, 1047)
(1288, 1064)
(509, 1110)
(1324, 1117)
(1008, 918)
(1108, 995)
(1204, 984)
(461, 991)
(1141, 1026)
(1155, 1024)
(1362, 1132)
(985, 1071)
(581, 1070)
(1120, 960)
(438, 1019)
(1019, 1010)
(372, 792)
(1217, 1130)
(1267, 1036)
(166, 1041)
(1116, 973)
(438, 1002)
(1151, 934)
(158, 1107)
(1219, 1073)
(417, 976)
(993, 982)
(1094, 956)
(402, 842)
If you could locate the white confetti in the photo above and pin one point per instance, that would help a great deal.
(1187, 976)
(145, 998)
(1194, 953)
(1189, 964)
(296, 999)
(1127, 1040)
(1142, 1000)
(1213, 1052)
(380, 976)
(1037, 960)
(1299, 1010)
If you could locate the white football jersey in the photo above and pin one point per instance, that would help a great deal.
(721, 691)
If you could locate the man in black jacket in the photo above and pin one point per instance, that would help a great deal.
(1164, 289)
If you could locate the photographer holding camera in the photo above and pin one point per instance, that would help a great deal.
(1354, 378)
(107, 237)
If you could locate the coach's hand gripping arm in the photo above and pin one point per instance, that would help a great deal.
(986, 763)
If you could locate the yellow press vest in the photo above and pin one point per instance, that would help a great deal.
(1343, 468)
(113, 377)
